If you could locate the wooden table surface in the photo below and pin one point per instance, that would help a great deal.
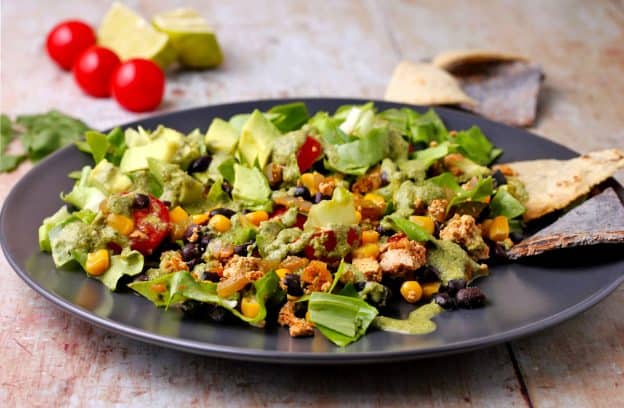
(325, 48)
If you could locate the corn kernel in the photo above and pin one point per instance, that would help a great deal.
(423, 221)
(307, 316)
(256, 217)
(376, 199)
(499, 230)
(358, 216)
(311, 181)
(97, 262)
(366, 251)
(120, 223)
(282, 272)
(430, 289)
(249, 307)
(220, 223)
(411, 291)
(370, 237)
(200, 219)
(178, 215)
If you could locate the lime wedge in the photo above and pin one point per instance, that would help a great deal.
(131, 36)
(192, 38)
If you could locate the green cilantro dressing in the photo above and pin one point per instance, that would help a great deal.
(418, 322)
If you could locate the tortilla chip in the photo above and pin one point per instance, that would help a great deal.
(506, 92)
(449, 60)
(599, 220)
(424, 84)
(554, 184)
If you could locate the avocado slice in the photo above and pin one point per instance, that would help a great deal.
(221, 137)
(257, 138)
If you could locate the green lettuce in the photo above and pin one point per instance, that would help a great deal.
(357, 156)
(290, 116)
(413, 231)
(48, 223)
(341, 319)
(476, 146)
(82, 195)
(503, 203)
(101, 146)
(128, 263)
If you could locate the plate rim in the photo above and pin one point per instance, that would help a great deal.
(292, 357)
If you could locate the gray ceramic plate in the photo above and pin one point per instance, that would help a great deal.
(524, 297)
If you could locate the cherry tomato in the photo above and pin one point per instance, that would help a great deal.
(138, 85)
(308, 153)
(67, 40)
(151, 226)
(93, 70)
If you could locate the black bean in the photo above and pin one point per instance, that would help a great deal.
(301, 191)
(198, 165)
(242, 248)
(227, 188)
(167, 203)
(359, 286)
(205, 240)
(499, 251)
(301, 308)
(191, 263)
(293, 285)
(444, 301)
(222, 211)
(429, 274)
(210, 276)
(318, 197)
(516, 236)
(140, 201)
(453, 286)
(384, 178)
(217, 314)
(437, 226)
(191, 230)
(499, 178)
(470, 298)
(384, 231)
(190, 252)
(420, 145)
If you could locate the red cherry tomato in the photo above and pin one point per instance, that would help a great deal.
(308, 153)
(152, 224)
(67, 40)
(93, 70)
(138, 85)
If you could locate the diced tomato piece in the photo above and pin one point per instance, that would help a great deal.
(410, 148)
(301, 219)
(352, 237)
(151, 226)
(278, 210)
(308, 153)
(329, 242)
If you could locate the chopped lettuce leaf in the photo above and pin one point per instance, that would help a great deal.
(503, 203)
(128, 263)
(48, 223)
(476, 146)
(82, 195)
(340, 210)
(357, 156)
(341, 319)
(413, 231)
(483, 189)
(432, 154)
(426, 128)
(290, 116)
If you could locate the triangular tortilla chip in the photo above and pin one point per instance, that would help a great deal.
(505, 92)
(599, 220)
(553, 184)
(449, 60)
(424, 84)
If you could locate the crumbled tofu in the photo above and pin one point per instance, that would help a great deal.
(369, 267)
(437, 209)
(367, 183)
(327, 186)
(253, 268)
(171, 261)
(297, 327)
(401, 256)
(464, 231)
